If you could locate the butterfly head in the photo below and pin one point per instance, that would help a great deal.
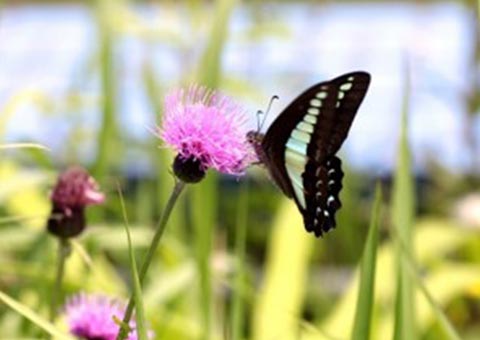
(255, 138)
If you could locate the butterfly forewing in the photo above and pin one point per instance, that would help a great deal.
(300, 146)
(351, 89)
(288, 140)
(304, 134)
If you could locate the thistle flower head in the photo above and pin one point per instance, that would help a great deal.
(93, 317)
(207, 129)
(75, 189)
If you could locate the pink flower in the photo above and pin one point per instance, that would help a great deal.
(75, 189)
(93, 317)
(207, 129)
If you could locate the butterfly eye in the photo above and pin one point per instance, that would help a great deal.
(252, 136)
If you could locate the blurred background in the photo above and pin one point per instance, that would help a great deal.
(87, 80)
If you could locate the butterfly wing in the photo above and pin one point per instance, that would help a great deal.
(300, 146)
(351, 89)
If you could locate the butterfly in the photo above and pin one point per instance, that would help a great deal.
(299, 148)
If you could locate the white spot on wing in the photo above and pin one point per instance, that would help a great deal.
(313, 111)
(295, 176)
(306, 127)
(295, 160)
(310, 119)
(301, 136)
(297, 186)
(297, 146)
(316, 103)
(346, 86)
(321, 95)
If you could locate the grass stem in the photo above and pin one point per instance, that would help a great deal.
(177, 189)
(63, 252)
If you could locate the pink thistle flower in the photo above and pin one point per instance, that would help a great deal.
(75, 189)
(207, 129)
(93, 317)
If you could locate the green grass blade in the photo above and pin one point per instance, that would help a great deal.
(23, 146)
(107, 142)
(403, 203)
(210, 64)
(204, 203)
(33, 317)
(363, 313)
(163, 156)
(137, 288)
(442, 319)
(237, 320)
(277, 312)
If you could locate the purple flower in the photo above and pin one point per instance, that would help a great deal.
(93, 317)
(207, 129)
(75, 189)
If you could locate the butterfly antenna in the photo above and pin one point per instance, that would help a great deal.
(268, 110)
(259, 113)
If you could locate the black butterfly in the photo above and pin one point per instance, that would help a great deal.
(299, 147)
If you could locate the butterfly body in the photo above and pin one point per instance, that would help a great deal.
(299, 149)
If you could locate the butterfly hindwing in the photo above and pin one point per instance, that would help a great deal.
(323, 182)
(299, 148)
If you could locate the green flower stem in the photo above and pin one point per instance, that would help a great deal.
(177, 189)
(63, 252)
